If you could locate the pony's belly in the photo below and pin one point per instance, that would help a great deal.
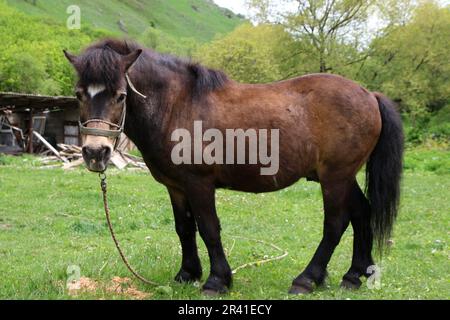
(243, 180)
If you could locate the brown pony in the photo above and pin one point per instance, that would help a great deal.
(329, 127)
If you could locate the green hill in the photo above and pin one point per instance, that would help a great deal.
(33, 34)
(197, 19)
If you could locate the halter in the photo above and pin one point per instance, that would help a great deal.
(117, 128)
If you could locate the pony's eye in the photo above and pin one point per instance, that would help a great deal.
(121, 97)
(79, 95)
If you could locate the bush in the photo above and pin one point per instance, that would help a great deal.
(248, 54)
(439, 125)
(31, 59)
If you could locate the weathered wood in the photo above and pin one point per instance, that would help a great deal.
(22, 101)
(132, 157)
(73, 153)
(50, 147)
(30, 133)
(73, 164)
(119, 161)
(69, 148)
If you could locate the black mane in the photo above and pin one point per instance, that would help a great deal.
(100, 62)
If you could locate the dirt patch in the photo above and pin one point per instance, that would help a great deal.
(5, 226)
(123, 286)
(117, 286)
(83, 285)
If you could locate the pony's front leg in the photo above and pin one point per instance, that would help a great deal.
(202, 202)
(191, 269)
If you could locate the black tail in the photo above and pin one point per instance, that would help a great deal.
(383, 172)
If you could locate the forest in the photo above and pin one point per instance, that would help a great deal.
(398, 47)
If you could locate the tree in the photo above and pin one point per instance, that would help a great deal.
(322, 26)
(411, 62)
(396, 12)
(31, 58)
(164, 43)
(249, 54)
(24, 73)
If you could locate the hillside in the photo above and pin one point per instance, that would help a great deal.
(197, 19)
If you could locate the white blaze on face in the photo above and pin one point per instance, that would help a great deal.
(97, 141)
(95, 89)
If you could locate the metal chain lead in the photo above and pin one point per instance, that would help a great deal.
(113, 235)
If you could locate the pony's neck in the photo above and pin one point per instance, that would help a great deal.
(147, 119)
(172, 86)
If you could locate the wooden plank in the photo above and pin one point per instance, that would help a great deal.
(50, 147)
(119, 161)
(30, 133)
(69, 147)
(73, 164)
(132, 157)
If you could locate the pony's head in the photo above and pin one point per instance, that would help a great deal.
(101, 91)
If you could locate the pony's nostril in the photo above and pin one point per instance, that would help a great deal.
(86, 152)
(106, 152)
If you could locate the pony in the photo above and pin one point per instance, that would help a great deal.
(329, 128)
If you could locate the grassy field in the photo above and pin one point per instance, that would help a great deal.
(198, 19)
(51, 219)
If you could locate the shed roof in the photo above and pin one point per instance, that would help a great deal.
(20, 101)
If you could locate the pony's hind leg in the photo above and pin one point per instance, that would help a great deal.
(336, 196)
(362, 239)
(191, 269)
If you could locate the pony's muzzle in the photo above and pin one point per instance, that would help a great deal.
(96, 158)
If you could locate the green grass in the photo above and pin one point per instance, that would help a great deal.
(177, 18)
(423, 159)
(51, 219)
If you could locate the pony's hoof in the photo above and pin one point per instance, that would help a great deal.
(302, 285)
(214, 286)
(214, 292)
(211, 293)
(187, 277)
(351, 284)
(296, 289)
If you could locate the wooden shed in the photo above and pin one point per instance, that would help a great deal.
(54, 117)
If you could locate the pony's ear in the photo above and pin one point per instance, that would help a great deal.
(131, 58)
(71, 57)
